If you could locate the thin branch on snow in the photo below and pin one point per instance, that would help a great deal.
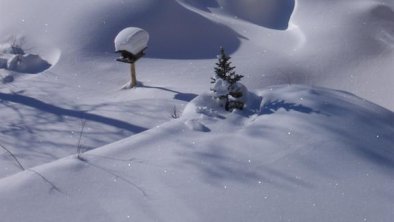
(53, 186)
(13, 156)
(83, 122)
(175, 114)
(115, 175)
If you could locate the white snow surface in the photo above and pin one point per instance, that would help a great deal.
(132, 39)
(220, 88)
(296, 153)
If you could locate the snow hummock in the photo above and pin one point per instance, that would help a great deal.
(195, 124)
(295, 153)
(220, 88)
(14, 58)
(132, 39)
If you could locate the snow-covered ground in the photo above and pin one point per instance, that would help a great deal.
(296, 153)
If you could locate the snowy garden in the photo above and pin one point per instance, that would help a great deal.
(189, 110)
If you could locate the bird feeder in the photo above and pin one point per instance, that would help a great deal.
(131, 44)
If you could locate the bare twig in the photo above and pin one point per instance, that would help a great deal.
(117, 176)
(17, 45)
(175, 114)
(79, 147)
(53, 186)
(110, 158)
(13, 156)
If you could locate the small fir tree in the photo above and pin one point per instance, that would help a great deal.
(225, 83)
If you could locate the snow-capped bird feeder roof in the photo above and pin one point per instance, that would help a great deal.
(131, 43)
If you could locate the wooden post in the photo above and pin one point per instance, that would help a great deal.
(133, 75)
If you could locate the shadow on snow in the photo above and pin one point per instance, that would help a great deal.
(273, 106)
(58, 111)
(187, 97)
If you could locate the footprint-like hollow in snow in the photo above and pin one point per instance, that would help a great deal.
(27, 63)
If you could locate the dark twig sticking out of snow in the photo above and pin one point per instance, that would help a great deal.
(79, 147)
(13, 156)
(53, 186)
(175, 114)
(85, 160)
(117, 176)
(110, 158)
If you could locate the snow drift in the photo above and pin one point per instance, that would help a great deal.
(176, 32)
(296, 153)
(274, 14)
(14, 58)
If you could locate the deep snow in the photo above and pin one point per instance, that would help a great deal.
(297, 153)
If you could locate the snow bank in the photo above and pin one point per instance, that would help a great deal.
(319, 155)
(332, 46)
(132, 39)
(274, 14)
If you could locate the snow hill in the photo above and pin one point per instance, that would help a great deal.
(297, 153)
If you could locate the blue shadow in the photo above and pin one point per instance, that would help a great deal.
(273, 106)
(58, 111)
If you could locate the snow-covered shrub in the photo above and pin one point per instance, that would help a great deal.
(238, 96)
(13, 62)
(7, 79)
(27, 63)
(3, 63)
(226, 88)
(220, 91)
(14, 46)
(14, 58)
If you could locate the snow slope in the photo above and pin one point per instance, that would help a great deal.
(345, 45)
(330, 153)
(295, 154)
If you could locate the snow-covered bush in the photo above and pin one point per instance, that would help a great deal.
(3, 63)
(226, 88)
(14, 58)
(237, 96)
(14, 46)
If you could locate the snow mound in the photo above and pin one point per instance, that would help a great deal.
(174, 31)
(14, 58)
(196, 125)
(274, 14)
(317, 155)
(132, 39)
(202, 105)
